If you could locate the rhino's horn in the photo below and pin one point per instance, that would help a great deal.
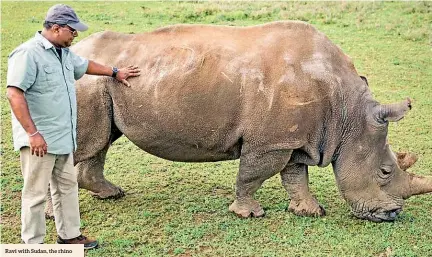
(406, 160)
(420, 185)
(393, 112)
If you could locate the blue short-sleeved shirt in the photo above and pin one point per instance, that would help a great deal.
(49, 90)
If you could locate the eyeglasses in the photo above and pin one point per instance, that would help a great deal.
(71, 30)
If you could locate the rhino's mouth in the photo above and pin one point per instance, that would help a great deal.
(379, 215)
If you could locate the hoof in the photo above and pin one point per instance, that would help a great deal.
(112, 192)
(309, 208)
(49, 216)
(247, 209)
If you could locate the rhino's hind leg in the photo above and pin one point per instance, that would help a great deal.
(90, 177)
(49, 211)
(254, 170)
(295, 180)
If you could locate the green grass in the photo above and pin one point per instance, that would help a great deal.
(179, 209)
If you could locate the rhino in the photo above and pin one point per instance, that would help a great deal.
(278, 96)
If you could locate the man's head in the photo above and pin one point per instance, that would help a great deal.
(62, 25)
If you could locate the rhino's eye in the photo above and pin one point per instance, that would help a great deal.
(386, 171)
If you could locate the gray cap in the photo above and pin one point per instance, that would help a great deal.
(64, 15)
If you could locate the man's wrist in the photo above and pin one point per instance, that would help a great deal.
(34, 134)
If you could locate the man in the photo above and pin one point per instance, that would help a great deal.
(41, 92)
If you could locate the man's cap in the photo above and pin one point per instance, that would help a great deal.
(64, 15)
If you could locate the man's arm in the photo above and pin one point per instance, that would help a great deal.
(95, 68)
(20, 109)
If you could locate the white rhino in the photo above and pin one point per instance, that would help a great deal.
(279, 96)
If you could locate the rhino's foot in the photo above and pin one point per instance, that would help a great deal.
(109, 192)
(102, 189)
(247, 208)
(49, 216)
(49, 213)
(307, 207)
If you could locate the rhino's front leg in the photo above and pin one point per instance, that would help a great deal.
(295, 180)
(90, 177)
(254, 170)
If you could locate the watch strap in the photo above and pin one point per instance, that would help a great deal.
(115, 71)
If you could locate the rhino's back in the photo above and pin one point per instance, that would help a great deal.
(205, 89)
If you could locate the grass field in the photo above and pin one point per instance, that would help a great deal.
(179, 209)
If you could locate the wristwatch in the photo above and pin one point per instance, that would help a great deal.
(115, 71)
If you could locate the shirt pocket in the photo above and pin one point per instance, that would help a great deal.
(69, 72)
(54, 77)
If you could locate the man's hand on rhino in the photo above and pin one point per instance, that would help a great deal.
(124, 73)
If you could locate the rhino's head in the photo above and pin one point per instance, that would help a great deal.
(367, 171)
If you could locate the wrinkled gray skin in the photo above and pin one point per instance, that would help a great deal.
(280, 96)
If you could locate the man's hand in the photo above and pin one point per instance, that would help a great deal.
(38, 145)
(95, 68)
(124, 73)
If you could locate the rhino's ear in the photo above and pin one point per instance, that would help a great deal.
(392, 112)
(365, 80)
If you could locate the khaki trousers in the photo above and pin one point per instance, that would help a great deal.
(38, 172)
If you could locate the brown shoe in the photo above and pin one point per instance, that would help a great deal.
(88, 243)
